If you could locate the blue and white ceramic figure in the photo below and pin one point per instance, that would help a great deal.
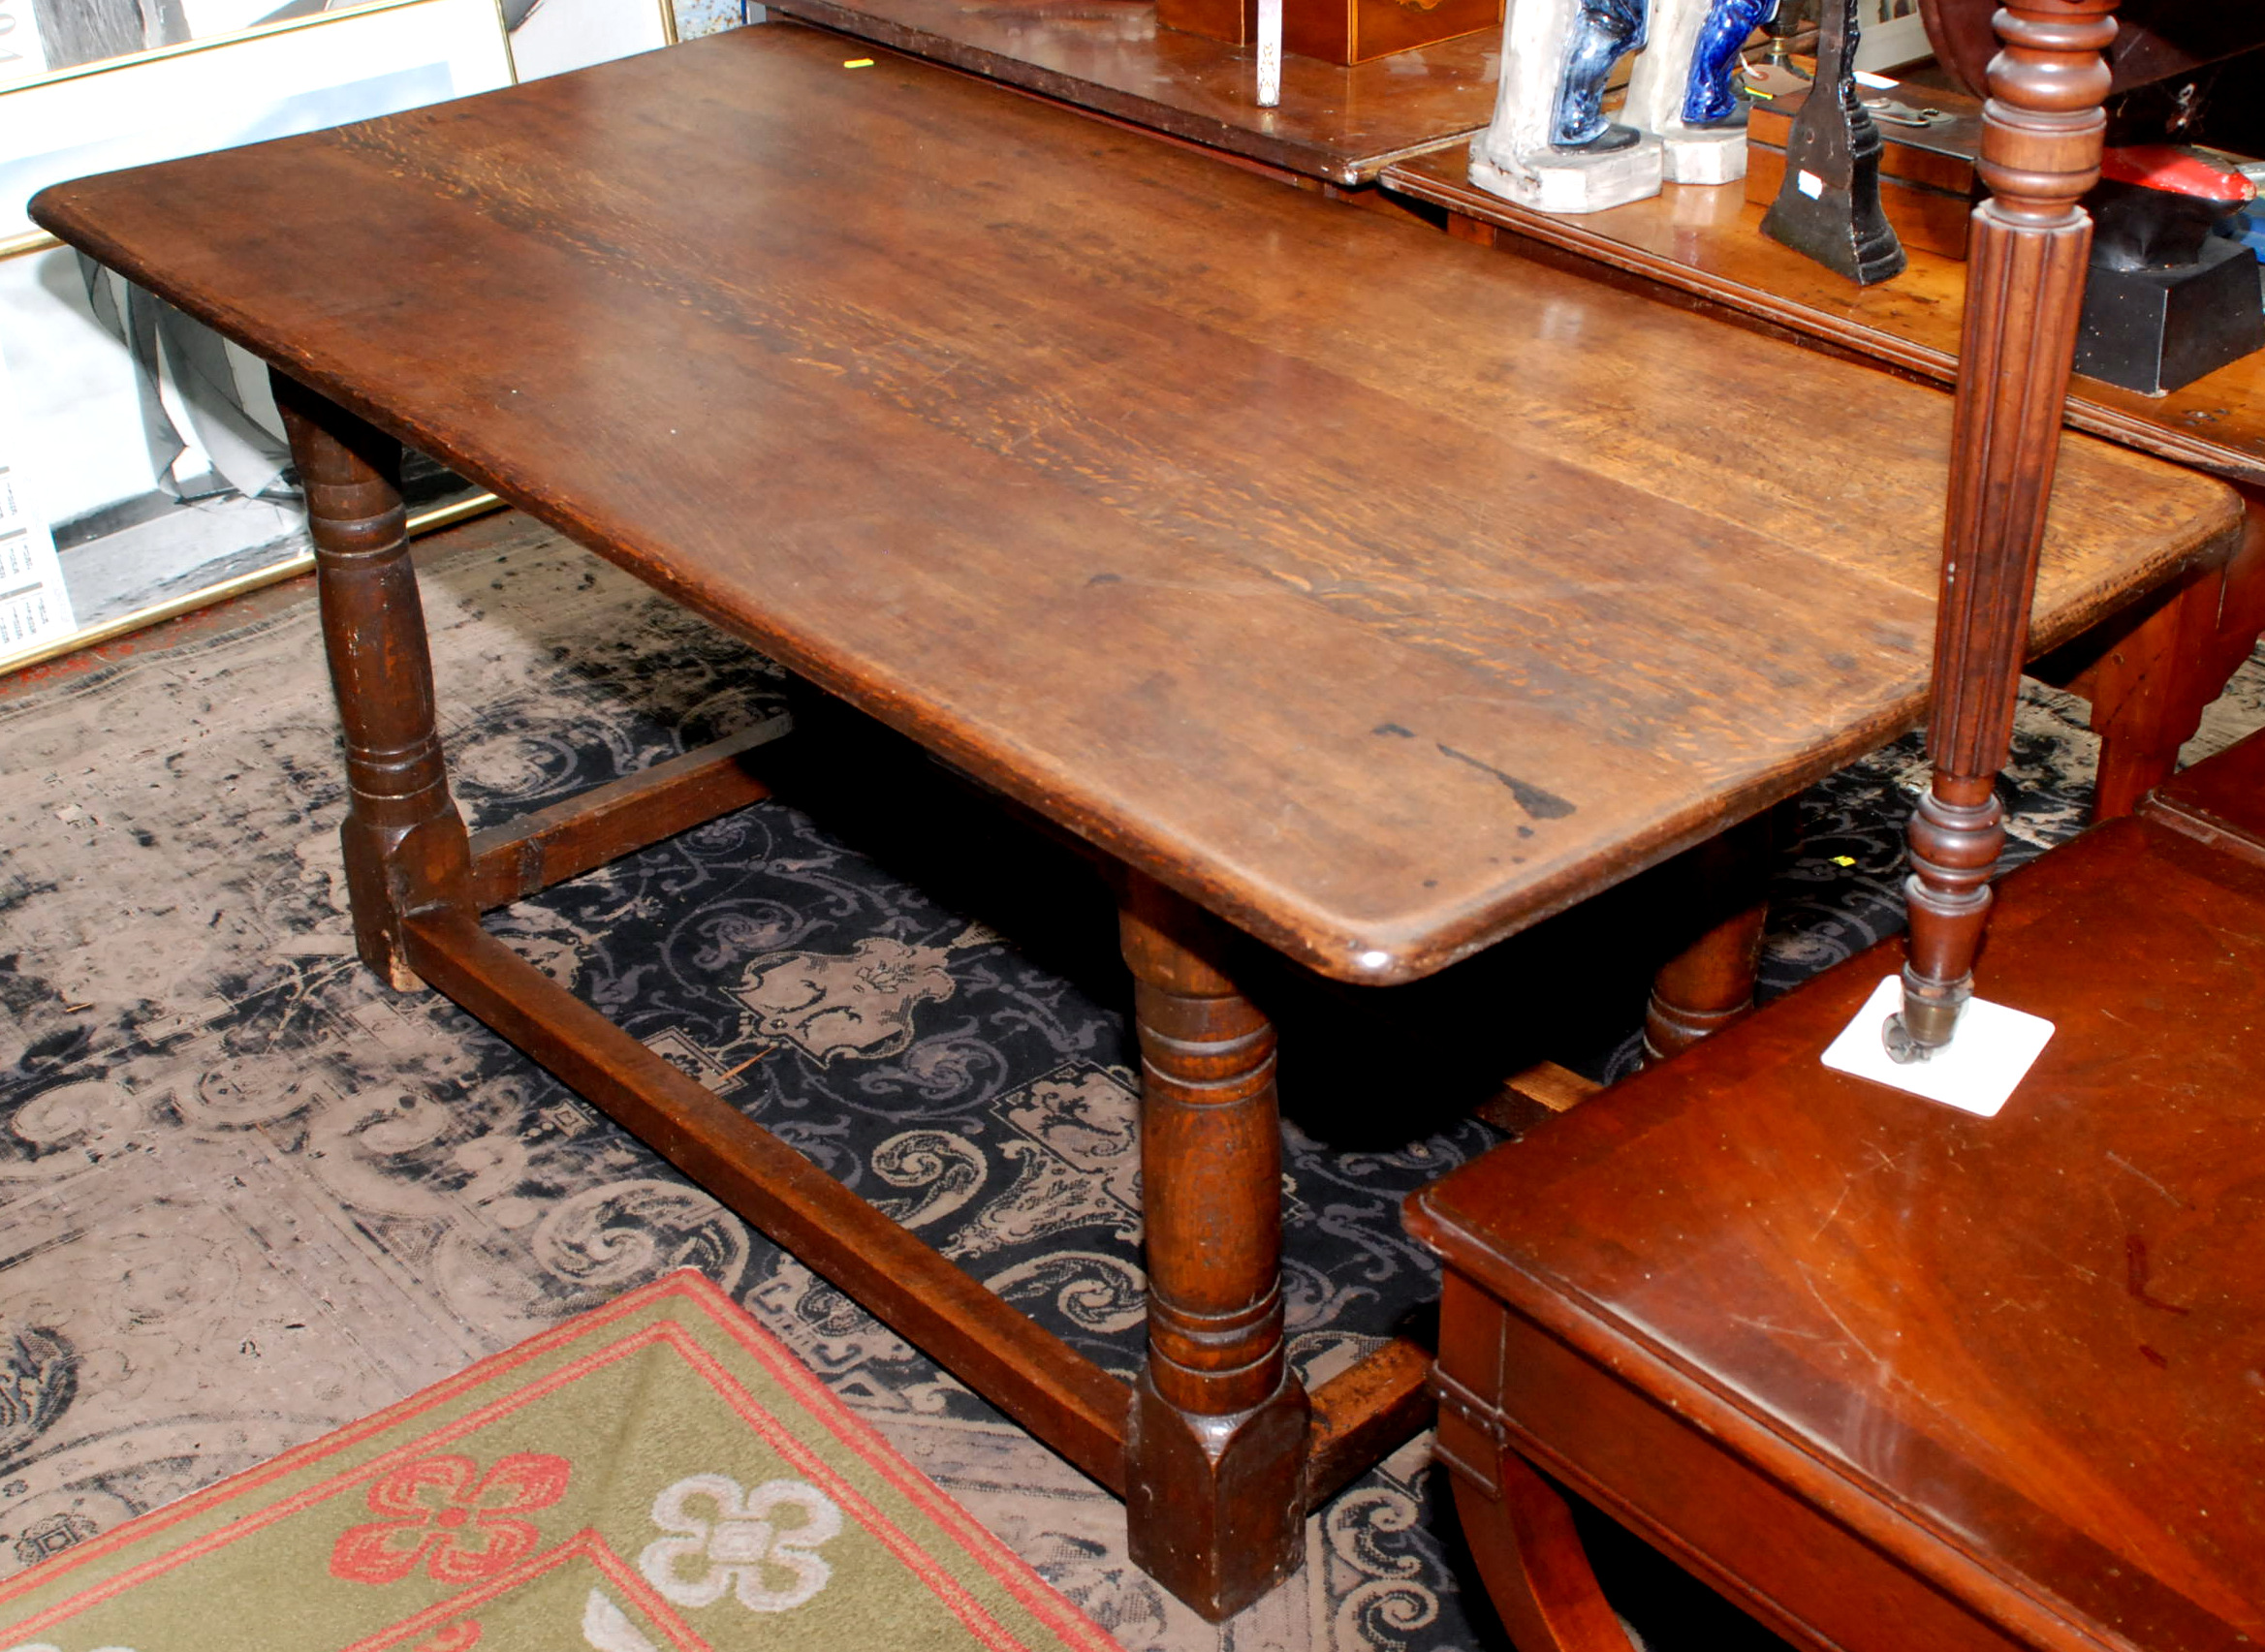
(1684, 88)
(1709, 91)
(1603, 32)
(1551, 145)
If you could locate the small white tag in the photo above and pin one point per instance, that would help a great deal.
(1269, 53)
(1975, 1072)
(1810, 184)
(1877, 83)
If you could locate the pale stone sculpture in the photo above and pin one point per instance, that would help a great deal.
(1551, 146)
(1683, 91)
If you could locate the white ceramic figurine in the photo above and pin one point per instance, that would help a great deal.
(1551, 146)
(1684, 91)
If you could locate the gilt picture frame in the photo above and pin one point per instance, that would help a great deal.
(552, 36)
(1893, 35)
(142, 451)
(300, 74)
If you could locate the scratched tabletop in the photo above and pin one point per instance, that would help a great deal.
(1383, 593)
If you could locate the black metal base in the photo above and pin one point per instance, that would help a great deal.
(1844, 228)
(2155, 331)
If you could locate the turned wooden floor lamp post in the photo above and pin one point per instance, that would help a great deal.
(2042, 135)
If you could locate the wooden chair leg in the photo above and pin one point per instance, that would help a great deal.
(1214, 1494)
(2150, 688)
(405, 843)
(1532, 1562)
(1711, 982)
(2042, 135)
(2148, 692)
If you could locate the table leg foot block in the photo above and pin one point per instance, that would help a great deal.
(1213, 1504)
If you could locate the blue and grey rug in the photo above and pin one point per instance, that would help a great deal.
(247, 1194)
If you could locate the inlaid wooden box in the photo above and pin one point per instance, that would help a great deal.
(1337, 31)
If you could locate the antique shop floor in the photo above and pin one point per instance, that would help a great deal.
(249, 1194)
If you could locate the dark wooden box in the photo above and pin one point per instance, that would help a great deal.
(1337, 31)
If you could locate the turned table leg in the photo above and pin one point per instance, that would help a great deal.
(1711, 982)
(405, 843)
(1216, 1462)
(2150, 688)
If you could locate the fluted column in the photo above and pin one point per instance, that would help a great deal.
(2041, 132)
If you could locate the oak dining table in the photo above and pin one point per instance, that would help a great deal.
(1349, 590)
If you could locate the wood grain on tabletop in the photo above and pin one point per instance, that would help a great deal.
(1709, 242)
(1338, 124)
(1383, 593)
(2018, 1354)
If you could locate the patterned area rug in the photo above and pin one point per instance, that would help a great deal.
(247, 1194)
(660, 1472)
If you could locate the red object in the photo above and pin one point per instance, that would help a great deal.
(2177, 171)
(455, 1521)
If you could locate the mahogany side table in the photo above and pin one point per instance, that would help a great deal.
(1886, 1374)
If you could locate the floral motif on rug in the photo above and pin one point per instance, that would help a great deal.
(659, 1474)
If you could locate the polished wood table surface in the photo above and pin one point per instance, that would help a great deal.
(1888, 1374)
(1337, 125)
(1707, 242)
(1381, 595)
(1372, 592)
(1704, 247)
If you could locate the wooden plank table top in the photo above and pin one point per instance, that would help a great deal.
(1707, 241)
(1337, 124)
(1382, 594)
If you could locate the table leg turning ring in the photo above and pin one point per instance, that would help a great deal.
(405, 843)
(1221, 1423)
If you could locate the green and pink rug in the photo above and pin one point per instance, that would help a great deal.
(659, 1474)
